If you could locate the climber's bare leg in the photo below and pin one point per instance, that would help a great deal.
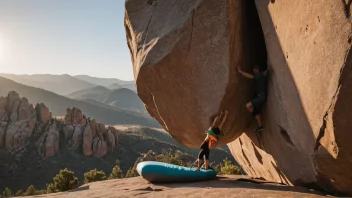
(206, 164)
(199, 164)
(259, 119)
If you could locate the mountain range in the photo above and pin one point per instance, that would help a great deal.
(58, 105)
(120, 98)
(66, 84)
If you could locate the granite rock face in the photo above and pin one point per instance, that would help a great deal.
(185, 55)
(18, 119)
(21, 124)
(48, 143)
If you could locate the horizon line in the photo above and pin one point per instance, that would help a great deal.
(62, 74)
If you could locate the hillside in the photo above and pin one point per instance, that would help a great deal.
(107, 82)
(102, 81)
(90, 93)
(58, 105)
(120, 98)
(59, 84)
(131, 86)
(114, 86)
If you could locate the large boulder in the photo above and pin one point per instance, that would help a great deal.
(185, 55)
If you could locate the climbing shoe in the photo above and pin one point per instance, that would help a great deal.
(258, 129)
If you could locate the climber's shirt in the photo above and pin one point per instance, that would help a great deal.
(260, 84)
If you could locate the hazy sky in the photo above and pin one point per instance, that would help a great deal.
(64, 36)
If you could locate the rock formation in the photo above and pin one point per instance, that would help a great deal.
(87, 141)
(18, 119)
(73, 116)
(185, 55)
(43, 113)
(48, 143)
(95, 139)
(20, 122)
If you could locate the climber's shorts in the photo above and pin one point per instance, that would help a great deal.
(258, 102)
(204, 151)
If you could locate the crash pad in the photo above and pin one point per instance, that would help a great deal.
(160, 172)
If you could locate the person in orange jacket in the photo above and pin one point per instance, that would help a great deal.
(213, 134)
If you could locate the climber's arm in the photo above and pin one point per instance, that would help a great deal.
(214, 122)
(223, 120)
(247, 75)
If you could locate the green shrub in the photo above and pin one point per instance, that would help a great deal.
(132, 172)
(116, 173)
(50, 188)
(19, 193)
(176, 158)
(7, 193)
(41, 192)
(227, 168)
(94, 175)
(65, 180)
(30, 191)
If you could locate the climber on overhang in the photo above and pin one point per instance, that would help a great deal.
(254, 106)
(213, 134)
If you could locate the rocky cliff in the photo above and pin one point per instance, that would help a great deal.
(185, 55)
(20, 122)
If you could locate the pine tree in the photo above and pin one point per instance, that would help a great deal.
(7, 193)
(116, 173)
(94, 175)
(131, 173)
(30, 191)
(65, 180)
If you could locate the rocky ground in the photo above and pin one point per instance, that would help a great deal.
(228, 186)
